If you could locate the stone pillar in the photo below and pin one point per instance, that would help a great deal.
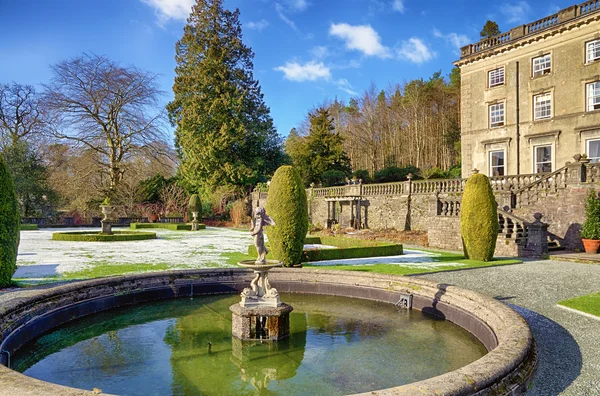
(260, 322)
(576, 172)
(567, 14)
(537, 237)
(106, 227)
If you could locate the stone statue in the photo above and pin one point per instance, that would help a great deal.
(260, 220)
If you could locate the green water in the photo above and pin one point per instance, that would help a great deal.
(337, 346)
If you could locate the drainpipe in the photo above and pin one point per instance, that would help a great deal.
(518, 129)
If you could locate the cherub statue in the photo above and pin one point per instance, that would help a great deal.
(260, 220)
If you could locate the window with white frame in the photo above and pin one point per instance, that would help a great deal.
(496, 115)
(497, 163)
(496, 77)
(592, 51)
(542, 65)
(593, 150)
(593, 96)
(543, 159)
(542, 106)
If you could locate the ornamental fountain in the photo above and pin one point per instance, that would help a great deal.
(260, 315)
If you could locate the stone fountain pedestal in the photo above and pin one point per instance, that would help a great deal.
(260, 315)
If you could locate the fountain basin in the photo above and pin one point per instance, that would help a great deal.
(508, 367)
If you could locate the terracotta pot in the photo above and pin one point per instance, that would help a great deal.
(591, 245)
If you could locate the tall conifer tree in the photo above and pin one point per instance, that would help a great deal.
(225, 134)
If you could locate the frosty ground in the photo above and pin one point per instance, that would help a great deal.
(43, 260)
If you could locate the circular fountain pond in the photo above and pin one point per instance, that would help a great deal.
(170, 333)
(184, 346)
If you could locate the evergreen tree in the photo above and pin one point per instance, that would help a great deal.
(325, 147)
(225, 134)
(490, 29)
(30, 175)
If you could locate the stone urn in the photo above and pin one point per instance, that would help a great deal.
(106, 209)
(106, 225)
(195, 221)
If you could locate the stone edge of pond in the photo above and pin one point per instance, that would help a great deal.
(507, 369)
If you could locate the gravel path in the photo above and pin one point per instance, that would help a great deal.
(568, 343)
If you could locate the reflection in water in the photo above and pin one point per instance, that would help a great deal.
(184, 347)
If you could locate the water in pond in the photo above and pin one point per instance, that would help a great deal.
(337, 346)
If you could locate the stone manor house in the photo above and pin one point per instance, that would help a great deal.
(530, 97)
(530, 106)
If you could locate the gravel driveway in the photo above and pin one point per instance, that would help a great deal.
(568, 343)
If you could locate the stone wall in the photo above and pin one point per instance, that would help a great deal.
(434, 205)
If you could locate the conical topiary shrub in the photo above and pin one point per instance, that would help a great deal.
(286, 204)
(478, 219)
(194, 205)
(10, 221)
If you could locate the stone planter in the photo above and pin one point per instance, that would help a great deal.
(591, 245)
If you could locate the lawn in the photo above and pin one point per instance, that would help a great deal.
(42, 260)
(589, 304)
(413, 262)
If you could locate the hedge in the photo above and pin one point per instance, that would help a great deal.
(194, 205)
(348, 248)
(286, 204)
(29, 227)
(10, 220)
(93, 236)
(167, 226)
(478, 219)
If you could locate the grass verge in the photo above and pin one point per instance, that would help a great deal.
(29, 227)
(589, 304)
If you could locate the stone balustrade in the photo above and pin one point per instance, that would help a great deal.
(546, 23)
(448, 207)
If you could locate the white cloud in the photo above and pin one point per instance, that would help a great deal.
(516, 13)
(345, 86)
(258, 25)
(297, 5)
(281, 13)
(311, 71)
(414, 50)
(456, 40)
(170, 9)
(360, 37)
(319, 51)
(398, 5)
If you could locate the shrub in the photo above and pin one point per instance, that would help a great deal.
(10, 221)
(90, 236)
(287, 205)
(394, 174)
(195, 205)
(238, 213)
(333, 177)
(478, 219)
(590, 229)
(362, 174)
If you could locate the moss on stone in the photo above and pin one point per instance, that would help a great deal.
(10, 221)
(286, 204)
(478, 219)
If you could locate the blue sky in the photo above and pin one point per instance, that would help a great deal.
(307, 51)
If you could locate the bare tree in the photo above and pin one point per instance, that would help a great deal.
(110, 109)
(20, 115)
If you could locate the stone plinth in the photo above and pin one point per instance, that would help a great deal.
(260, 322)
(106, 227)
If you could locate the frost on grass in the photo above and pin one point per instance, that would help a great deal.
(410, 258)
(40, 256)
